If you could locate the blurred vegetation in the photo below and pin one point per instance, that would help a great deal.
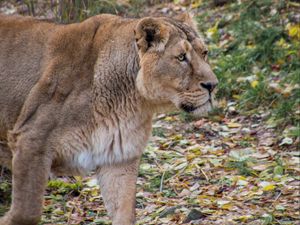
(255, 50)
(5, 190)
(67, 11)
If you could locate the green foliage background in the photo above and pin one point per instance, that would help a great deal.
(250, 42)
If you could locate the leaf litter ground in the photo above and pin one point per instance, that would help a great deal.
(231, 171)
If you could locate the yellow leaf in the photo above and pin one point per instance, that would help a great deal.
(196, 3)
(213, 30)
(294, 31)
(251, 46)
(234, 125)
(222, 103)
(78, 178)
(242, 178)
(264, 184)
(244, 218)
(165, 145)
(177, 137)
(169, 119)
(237, 97)
(280, 62)
(191, 156)
(94, 192)
(227, 206)
(58, 212)
(282, 43)
(254, 83)
(292, 52)
(269, 187)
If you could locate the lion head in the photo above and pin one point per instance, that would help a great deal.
(174, 66)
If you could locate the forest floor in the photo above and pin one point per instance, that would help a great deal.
(221, 170)
(231, 171)
(233, 167)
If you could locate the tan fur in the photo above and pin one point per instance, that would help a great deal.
(80, 97)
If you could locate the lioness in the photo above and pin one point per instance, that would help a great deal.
(78, 98)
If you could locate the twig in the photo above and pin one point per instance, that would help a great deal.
(206, 177)
(162, 177)
(295, 4)
(69, 216)
(277, 197)
(159, 167)
(162, 182)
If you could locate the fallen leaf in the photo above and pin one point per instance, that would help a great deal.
(286, 141)
(234, 125)
(269, 187)
(194, 215)
(254, 83)
(294, 31)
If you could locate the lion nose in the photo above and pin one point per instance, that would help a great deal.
(210, 86)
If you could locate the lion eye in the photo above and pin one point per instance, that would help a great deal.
(181, 57)
(204, 53)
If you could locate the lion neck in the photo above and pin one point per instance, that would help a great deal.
(114, 84)
(115, 92)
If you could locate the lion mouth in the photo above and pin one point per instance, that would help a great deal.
(190, 108)
(187, 107)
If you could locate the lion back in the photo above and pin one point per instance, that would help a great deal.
(41, 64)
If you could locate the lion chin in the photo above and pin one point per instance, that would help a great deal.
(199, 111)
(203, 110)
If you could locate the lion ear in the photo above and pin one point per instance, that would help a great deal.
(187, 18)
(151, 33)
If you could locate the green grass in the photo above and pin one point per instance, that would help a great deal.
(158, 131)
(61, 187)
(250, 48)
(242, 166)
(5, 190)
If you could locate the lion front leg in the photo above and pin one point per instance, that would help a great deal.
(118, 188)
(30, 171)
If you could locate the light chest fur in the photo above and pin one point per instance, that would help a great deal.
(110, 143)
